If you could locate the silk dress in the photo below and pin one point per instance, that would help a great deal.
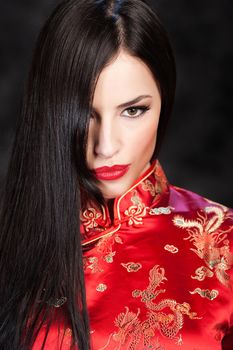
(159, 273)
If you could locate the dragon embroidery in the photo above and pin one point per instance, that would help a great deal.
(165, 317)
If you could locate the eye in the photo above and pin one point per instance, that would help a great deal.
(136, 111)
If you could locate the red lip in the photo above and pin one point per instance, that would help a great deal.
(111, 173)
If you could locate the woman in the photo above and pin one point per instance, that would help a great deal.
(98, 250)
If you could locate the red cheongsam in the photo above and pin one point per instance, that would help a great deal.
(159, 276)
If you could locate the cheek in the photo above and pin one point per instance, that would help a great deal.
(90, 143)
(143, 139)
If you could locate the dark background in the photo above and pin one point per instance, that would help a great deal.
(197, 153)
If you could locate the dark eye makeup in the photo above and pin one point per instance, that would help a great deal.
(142, 108)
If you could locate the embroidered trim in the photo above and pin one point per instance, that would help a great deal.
(103, 235)
(154, 181)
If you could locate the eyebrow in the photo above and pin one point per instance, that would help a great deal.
(129, 103)
(135, 100)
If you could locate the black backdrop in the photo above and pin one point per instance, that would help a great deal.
(197, 152)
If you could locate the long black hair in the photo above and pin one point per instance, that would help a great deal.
(48, 179)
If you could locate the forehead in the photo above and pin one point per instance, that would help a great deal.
(124, 78)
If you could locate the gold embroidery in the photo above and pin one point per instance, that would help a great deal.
(167, 316)
(68, 332)
(161, 180)
(94, 264)
(104, 247)
(132, 267)
(147, 185)
(137, 211)
(118, 239)
(161, 210)
(135, 214)
(206, 293)
(101, 287)
(135, 199)
(179, 340)
(98, 222)
(89, 217)
(67, 336)
(109, 258)
(201, 273)
(209, 240)
(171, 248)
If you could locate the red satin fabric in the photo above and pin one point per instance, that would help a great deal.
(160, 275)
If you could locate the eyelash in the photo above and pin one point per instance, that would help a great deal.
(142, 108)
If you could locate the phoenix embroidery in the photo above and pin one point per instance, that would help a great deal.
(209, 240)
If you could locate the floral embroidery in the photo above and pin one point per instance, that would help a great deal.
(137, 211)
(104, 247)
(89, 218)
(171, 248)
(161, 210)
(101, 287)
(166, 317)
(209, 240)
(97, 224)
(202, 272)
(135, 214)
(206, 293)
(132, 267)
(93, 264)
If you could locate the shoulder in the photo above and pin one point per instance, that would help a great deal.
(209, 226)
(212, 215)
(189, 202)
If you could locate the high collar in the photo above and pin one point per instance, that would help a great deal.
(145, 193)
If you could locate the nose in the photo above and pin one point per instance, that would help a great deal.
(107, 142)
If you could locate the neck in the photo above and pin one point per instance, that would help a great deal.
(110, 205)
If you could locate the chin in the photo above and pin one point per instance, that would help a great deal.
(114, 192)
(111, 195)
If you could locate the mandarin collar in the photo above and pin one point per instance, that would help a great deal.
(145, 193)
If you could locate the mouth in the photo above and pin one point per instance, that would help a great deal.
(111, 173)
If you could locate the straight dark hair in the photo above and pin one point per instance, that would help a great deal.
(48, 179)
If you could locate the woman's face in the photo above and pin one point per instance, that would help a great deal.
(123, 127)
